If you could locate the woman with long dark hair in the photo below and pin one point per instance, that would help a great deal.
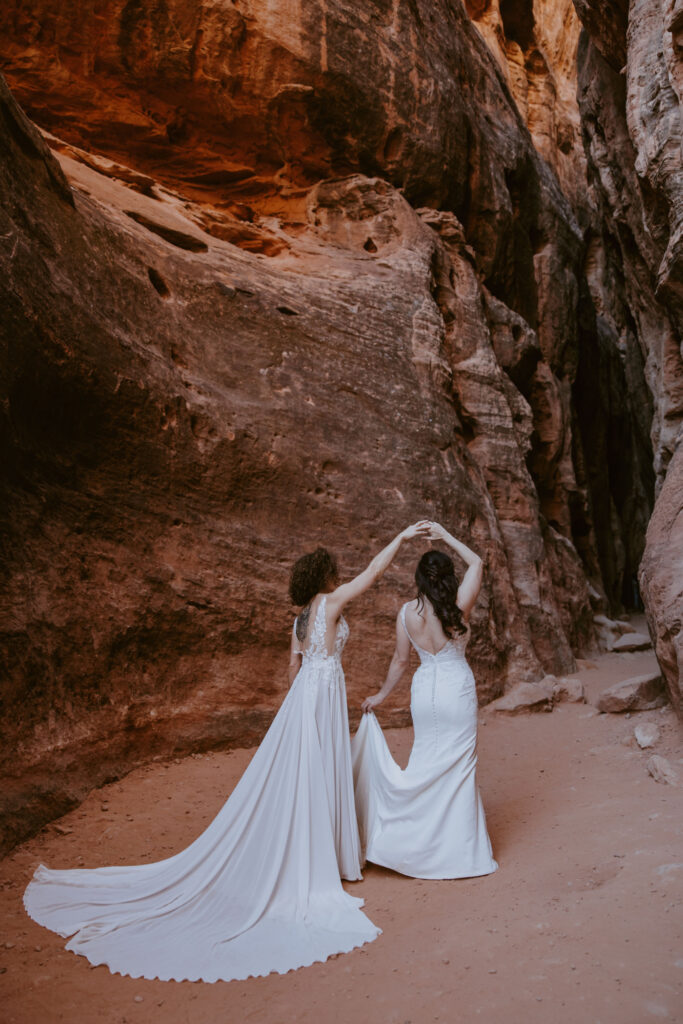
(427, 821)
(259, 890)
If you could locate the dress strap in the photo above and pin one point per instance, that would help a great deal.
(403, 620)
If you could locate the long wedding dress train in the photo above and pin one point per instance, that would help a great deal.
(426, 821)
(259, 890)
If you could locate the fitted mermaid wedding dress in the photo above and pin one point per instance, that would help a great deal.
(426, 821)
(260, 889)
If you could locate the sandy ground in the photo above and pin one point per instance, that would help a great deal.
(581, 924)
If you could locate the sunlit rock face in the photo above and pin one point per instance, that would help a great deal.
(293, 275)
(630, 76)
(535, 48)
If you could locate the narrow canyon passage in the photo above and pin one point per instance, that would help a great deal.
(277, 274)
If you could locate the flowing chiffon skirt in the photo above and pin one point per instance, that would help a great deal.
(259, 890)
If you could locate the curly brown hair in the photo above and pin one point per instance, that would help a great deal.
(311, 573)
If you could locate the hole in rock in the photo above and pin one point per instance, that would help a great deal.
(565, 139)
(287, 311)
(262, 246)
(518, 21)
(370, 246)
(476, 8)
(394, 144)
(246, 237)
(537, 239)
(226, 289)
(158, 282)
(536, 63)
(178, 238)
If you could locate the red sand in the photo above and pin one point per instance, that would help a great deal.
(581, 924)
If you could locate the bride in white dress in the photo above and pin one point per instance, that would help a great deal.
(427, 821)
(260, 889)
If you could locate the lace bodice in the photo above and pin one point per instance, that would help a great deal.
(317, 645)
(454, 647)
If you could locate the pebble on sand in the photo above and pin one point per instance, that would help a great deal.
(647, 734)
(661, 771)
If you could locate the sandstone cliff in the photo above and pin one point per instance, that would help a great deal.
(630, 76)
(314, 273)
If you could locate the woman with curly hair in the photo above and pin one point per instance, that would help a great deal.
(260, 889)
(427, 821)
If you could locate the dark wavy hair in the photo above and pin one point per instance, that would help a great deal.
(436, 580)
(311, 573)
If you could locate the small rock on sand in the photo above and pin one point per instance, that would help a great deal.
(570, 690)
(647, 734)
(641, 693)
(609, 630)
(661, 771)
(632, 642)
(524, 697)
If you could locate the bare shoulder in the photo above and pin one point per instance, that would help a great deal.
(408, 607)
(411, 611)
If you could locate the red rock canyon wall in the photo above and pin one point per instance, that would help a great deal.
(306, 272)
(630, 73)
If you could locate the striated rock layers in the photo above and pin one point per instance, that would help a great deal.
(630, 88)
(309, 278)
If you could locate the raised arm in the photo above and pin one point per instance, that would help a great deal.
(347, 591)
(470, 585)
(398, 665)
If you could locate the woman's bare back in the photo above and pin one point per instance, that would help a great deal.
(424, 627)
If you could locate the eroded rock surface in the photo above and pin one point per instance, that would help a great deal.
(630, 77)
(661, 578)
(322, 271)
(183, 417)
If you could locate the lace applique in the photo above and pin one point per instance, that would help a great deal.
(317, 647)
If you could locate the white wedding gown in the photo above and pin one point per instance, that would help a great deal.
(260, 889)
(426, 821)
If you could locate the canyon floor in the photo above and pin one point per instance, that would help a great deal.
(581, 924)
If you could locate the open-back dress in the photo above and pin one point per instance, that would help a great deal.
(426, 821)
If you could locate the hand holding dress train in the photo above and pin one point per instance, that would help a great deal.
(427, 821)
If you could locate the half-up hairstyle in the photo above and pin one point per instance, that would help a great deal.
(436, 580)
(311, 573)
